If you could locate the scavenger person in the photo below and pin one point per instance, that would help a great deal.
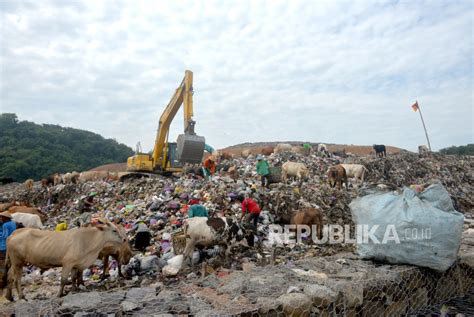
(250, 210)
(263, 170)
(196, 209)
(6, 229)
(209, 167)
(85, 207)
(142, 237)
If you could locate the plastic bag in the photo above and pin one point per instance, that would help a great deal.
(427, 226)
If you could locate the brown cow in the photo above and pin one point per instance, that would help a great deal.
(29, 184)
(245, 153)
(73, 250)
(27, 210)
(5, 206)
(307, 216)
(46, 182)
(122, 253)
(267, 150)
(225, 156)
(336, 175)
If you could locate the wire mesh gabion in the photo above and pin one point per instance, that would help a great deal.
(370, 290)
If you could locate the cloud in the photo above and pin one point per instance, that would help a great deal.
(330, 71)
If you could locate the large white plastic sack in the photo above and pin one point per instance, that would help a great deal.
(176, 261)
(411, 213)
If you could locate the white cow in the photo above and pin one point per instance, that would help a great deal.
(203, 231)
(294, 169)
(282, 147)
(28, 220)
(355, 171)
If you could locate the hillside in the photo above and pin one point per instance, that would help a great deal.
(29, 150)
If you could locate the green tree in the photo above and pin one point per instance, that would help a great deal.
(29, 150)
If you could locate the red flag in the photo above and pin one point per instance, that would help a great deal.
(415, 106)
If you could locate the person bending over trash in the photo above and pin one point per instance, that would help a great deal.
(209, 167)
(196, 209)
(85, 208)
(6, 229)
(250, 210)
(263, 170)
(142, 237)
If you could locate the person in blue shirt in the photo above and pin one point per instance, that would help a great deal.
(8, 226)
(6, 229)
(196, 209)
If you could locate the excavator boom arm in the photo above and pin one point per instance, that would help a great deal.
(184, 93)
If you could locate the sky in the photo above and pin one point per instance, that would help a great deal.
(336, 71)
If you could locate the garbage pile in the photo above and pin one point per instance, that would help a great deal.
(163, 202)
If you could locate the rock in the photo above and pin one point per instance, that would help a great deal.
(247, 266)
(140, 294)
(82, 300)
(353, 294)
(321, 295)
(128, 306)
(317, 276)
(268, 306)
(295, 304)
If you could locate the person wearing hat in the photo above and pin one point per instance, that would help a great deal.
(263, 170)
(196, 209)
(250, 210)
(209, 167)
(85, 207)
(7, 228)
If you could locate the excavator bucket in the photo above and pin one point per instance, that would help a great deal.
(190, 148)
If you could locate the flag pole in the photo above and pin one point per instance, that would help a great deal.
(424, 127)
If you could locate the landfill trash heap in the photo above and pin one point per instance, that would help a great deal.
(162, 203)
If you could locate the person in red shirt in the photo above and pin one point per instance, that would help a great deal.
(250, 210)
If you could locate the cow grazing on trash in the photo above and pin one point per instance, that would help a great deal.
(355, 171)
(48, 181)
(27, 210)
(337, 175)
(57, 179)
(294, 169)
(73, 250)
(282, 147)
(380, 150)
(27, 220)
(29, 184)
(223, 231)
(308, 216)
(245, 153)
(322, 150)
(267, 150)
(122, 253)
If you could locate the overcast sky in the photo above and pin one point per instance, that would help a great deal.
(320, 71)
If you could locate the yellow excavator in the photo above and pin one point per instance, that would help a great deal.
(168, 157)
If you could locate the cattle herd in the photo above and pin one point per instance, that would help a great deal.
(77, 249)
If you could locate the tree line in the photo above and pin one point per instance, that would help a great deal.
(29, 150)
(459, 150)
